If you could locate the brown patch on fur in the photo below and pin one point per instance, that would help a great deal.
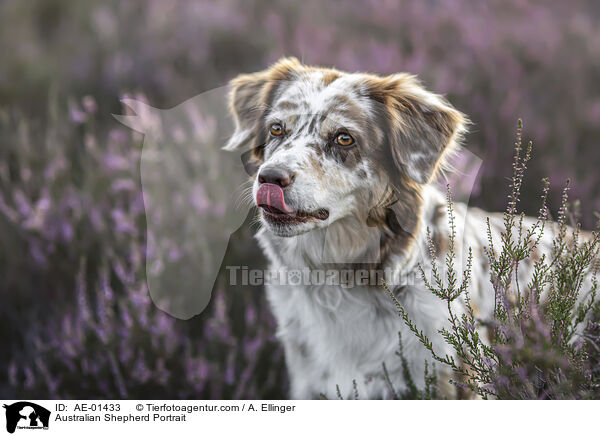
(330, 76)
(407, 210)
(250, 97)
(397, 216)
(421, 127)
(345, 106)
(316, 167)
(290, 105)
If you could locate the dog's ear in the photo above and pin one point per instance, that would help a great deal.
(420, 128)
(250, 97)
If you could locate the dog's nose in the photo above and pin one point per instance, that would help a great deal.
(277, 175)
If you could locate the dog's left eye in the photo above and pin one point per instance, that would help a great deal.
(276, 129)
(344, 140)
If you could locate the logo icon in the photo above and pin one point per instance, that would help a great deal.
(26, 415)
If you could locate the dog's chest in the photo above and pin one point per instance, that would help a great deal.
(343, 320)
(334, 336)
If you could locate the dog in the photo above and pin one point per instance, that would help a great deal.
(345, 164)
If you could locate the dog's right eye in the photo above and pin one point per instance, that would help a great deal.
(276, 129)
(344, 140)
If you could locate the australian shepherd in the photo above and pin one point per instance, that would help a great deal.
(343, 182)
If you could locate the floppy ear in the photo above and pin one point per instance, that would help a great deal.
(245, 104)
(421, 128)
(250, 97)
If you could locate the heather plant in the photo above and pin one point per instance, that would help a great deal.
(543, 338)
(410, 391)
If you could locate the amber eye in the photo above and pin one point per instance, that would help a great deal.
(276, 129)
(344, 140)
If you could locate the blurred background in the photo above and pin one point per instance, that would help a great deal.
(76, 320)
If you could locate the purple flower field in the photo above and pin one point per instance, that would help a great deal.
(77, 320)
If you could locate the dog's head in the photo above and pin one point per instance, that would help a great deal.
(329, 145)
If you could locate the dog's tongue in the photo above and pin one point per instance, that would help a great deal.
(271, 195)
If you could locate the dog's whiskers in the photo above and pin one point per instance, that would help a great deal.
(244, 196)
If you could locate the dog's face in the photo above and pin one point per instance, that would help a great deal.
(329, 144)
